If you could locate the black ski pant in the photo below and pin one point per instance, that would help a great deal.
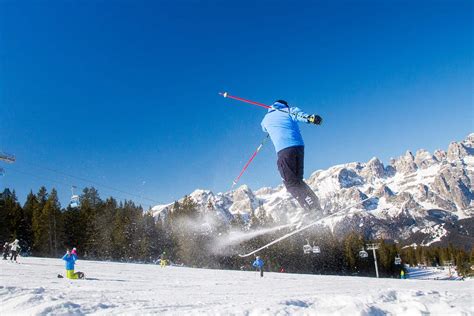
(14, 254)
(291, 168)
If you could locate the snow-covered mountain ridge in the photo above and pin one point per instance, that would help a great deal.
(412, 195)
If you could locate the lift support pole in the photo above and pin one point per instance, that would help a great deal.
(374, 247)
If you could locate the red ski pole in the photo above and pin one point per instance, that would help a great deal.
(250, 160)
(226, 95)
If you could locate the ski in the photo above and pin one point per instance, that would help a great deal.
(80, 276)
(298, 230)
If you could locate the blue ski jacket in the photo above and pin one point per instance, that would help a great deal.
(281, 122)
(70, 260)
(258, 263)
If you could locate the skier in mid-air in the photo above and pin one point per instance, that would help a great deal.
(281, 123)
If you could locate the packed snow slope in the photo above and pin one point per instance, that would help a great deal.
(32, 288)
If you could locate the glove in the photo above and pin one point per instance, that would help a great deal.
(315, 119)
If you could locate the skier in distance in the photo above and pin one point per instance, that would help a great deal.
(258, 263)
(15, 248)
(70, 259)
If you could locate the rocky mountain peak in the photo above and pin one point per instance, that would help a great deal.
(383, 191)
(459, 150)
(373, 169)
(348, 178)
(201, 195)
(265, 191)
(440, 155)
(405, 164)
(244, 200)
(423, 159)
(470, 140)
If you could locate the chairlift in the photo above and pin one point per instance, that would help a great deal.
(398, 260)
(307, 249)
(363, 253)
(316, 249)
(74, 198)
(7, 157)
(2, 171)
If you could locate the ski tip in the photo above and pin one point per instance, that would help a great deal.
(224, 94)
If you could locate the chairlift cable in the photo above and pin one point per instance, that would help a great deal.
(68, 184)
(94, 183)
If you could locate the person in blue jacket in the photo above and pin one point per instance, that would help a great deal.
(281, 123)
(70, 261)
(258, 263)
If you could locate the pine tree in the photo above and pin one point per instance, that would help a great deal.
(149, 245)
(29, 208)
(73, 228)
(254, 221)
(353, 243)
(104, 220)
(40, 231)
(164, 235)
(90, 206)
(118, 237)
(11, 215)
(183, 216)
(52, 217)
(5, 220)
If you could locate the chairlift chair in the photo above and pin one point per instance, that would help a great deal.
(363, 253)
(2, 171)
(307, 249)
(74, 199)
(316, 249)
(398, 260)
(7, 157)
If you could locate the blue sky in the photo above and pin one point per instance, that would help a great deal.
(124, 93)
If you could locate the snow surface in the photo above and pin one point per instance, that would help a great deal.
(436, 232)
(433, 273)
(32, 287)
